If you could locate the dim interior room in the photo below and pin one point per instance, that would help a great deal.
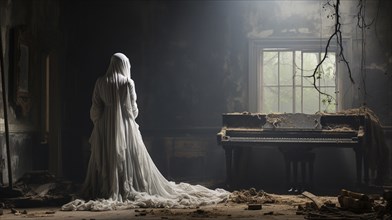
(281, 96)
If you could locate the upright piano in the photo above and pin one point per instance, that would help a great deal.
(293, 132)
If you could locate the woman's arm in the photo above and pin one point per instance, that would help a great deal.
(135, 110)
(130, 105)
(97, 104)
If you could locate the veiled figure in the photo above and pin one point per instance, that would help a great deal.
(121, 171)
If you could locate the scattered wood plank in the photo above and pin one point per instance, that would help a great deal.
(254, 206)
(314, 199)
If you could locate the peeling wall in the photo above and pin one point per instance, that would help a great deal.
(23, 147)
(39, 25)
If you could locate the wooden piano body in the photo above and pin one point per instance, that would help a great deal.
(292, 133)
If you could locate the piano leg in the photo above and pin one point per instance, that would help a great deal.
(229, 163)
(240, 166)
(295, 170)
(366, 169)
(288, 171)
(235, 169)
(303, 174)
(307, 177)
(291, 162)
(359, 160)
(311, 165)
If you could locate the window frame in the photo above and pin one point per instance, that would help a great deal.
(256, 47)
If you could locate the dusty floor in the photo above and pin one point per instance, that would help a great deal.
(283, 207)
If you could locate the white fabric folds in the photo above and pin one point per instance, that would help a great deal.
(121, 173)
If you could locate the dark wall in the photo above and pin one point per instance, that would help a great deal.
(178, 51)
(187, 58)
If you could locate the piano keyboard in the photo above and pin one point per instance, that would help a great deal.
(290, 140)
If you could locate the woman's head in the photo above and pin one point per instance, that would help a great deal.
(119, 63)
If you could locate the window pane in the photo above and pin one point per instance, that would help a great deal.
(328, 105)
(286, 67)
(270, 68)
(270, 99)
(327, 77)
(310, 61)
(311, 100)
(286, 99)
(298, 99)
(298, 68)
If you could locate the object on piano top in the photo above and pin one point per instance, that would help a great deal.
(293, 120)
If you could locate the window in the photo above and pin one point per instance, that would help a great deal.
(278, 77)
(285, 87)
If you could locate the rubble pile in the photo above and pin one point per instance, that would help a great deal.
(351, 205)
(251, 196)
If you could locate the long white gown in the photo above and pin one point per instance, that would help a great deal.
(121, 173)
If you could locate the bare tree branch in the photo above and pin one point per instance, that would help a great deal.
(338, 34)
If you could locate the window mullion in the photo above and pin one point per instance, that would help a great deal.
(319, 80)
(302, 82)
(293, 80)
(279, 81)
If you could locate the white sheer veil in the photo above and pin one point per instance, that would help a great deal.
(119, 63)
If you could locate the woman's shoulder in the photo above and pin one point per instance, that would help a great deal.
(102, 78)
(120, 79)
(99, 80)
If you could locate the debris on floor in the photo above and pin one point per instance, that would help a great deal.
(355, 202)
(254, 206)
(251, 196)
(351, 205)
(42, 189)
(200, 213)
(24, 213)
(38, 189)
(314, 199)
(144, 212)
